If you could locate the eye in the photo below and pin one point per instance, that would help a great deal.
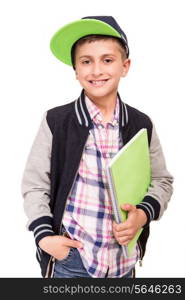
(86, 62)
(108, 60)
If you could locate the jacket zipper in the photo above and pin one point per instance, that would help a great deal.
(141, 254)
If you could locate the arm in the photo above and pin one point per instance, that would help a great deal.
(35, 189)
(160, 190)
(155, 201)
(35, 186)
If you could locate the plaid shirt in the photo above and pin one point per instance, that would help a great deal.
(88, 215)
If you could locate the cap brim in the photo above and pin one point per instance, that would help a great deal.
(63, 40)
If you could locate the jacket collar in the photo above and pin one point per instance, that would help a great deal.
(83, 115)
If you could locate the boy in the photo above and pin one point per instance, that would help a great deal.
(65, 189)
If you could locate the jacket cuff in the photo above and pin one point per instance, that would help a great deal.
(151, 207)
(41, 227)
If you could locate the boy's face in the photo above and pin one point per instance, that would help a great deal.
(99, 67)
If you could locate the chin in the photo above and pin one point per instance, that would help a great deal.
(98, 92)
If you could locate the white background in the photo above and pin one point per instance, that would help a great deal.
(33, 80)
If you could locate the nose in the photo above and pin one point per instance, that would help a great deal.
(97, 69)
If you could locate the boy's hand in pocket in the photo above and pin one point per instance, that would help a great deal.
(58, 246)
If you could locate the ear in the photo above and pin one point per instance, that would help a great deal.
(126, 67)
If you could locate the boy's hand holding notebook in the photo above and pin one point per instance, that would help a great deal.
(126, 231)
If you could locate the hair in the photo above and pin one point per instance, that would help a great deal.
(93, 38)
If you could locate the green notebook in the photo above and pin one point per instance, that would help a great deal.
(129, 176)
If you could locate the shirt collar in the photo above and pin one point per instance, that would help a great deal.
(96, 114)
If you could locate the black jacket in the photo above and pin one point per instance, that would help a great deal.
(69, 126)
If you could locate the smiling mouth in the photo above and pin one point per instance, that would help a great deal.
(98, 83)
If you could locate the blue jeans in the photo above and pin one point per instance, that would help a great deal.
(72, 267)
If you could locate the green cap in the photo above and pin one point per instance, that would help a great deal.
(63, 40)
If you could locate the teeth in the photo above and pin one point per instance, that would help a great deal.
(98, 82)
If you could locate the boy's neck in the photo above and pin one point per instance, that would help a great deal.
(105, 104)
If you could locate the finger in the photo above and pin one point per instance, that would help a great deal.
(124, 233)
(124, 241)
(128, 207)
(114, 224)
(122, 226)
(71, 243)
